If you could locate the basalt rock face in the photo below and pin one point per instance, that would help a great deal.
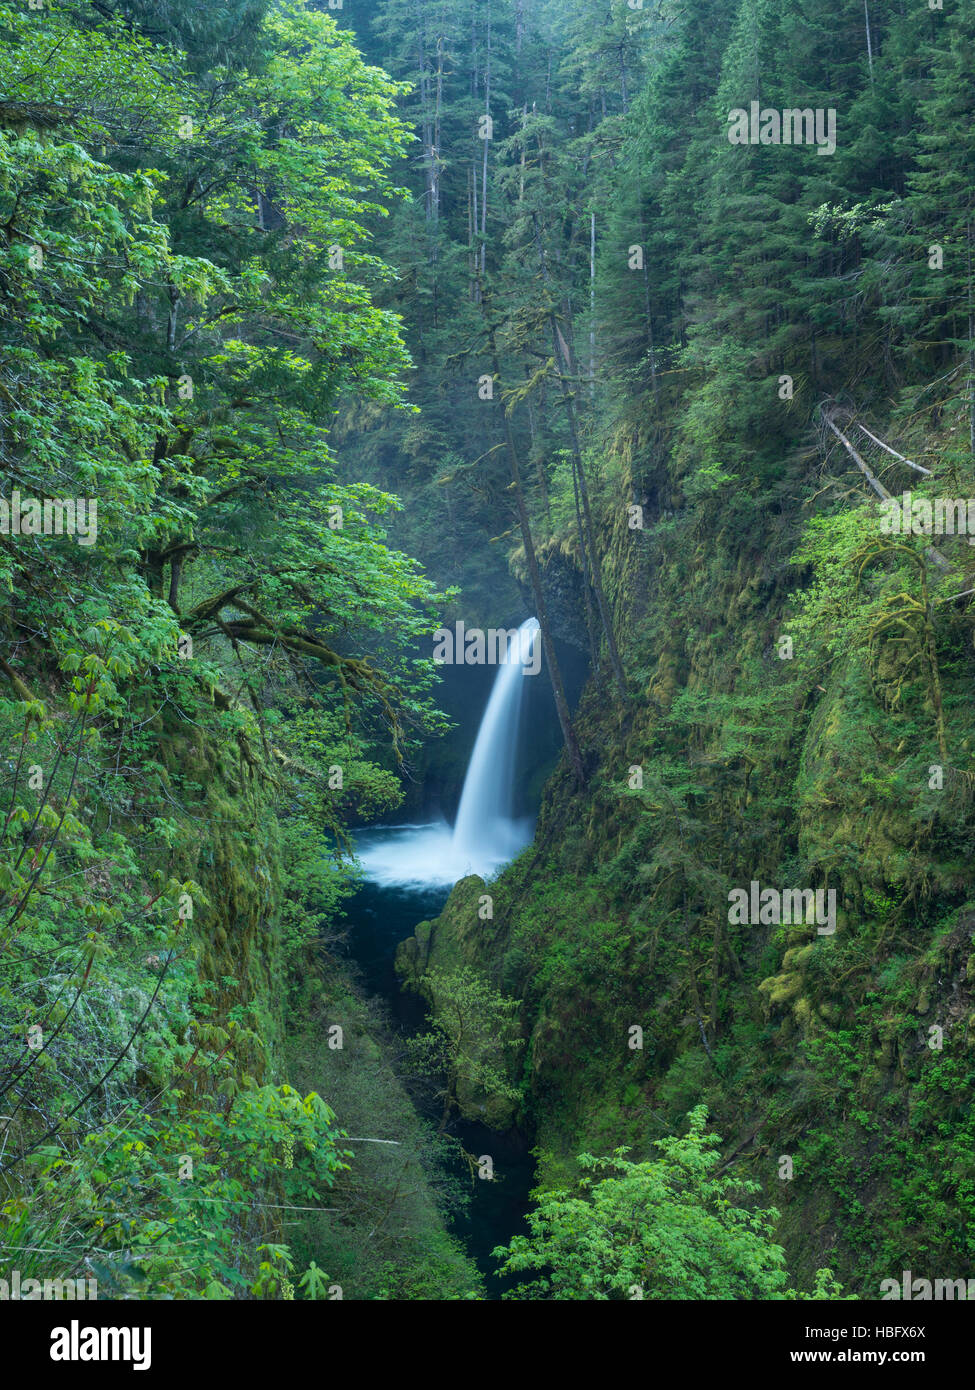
(455, 941)
(450, 941)
(563, 589)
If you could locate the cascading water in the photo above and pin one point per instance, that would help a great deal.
(484, 817)
(486, 834)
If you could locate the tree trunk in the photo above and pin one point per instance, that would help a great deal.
(592, 306)
(555, 674)
(436, 130)
(597, 581)
(971, 344)
(561, 352)
(586, 574)
(484, 167)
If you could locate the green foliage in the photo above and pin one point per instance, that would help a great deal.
(473, 1029)
(666, 1228)
(162, 1192)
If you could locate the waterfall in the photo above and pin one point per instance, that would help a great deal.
(486, 834)
(484, 817)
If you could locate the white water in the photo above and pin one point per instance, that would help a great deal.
(486, 834)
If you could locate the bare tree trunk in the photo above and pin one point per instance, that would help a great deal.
(716, 947)
(484, 174)
(521, 169)
(425, 123)
(879, 488)
(475, 253)
(539, 469)
(866, 16)
(649, 311)
(971, 345)
(436, 130)
(175, 570)
(173, 311)
(592, 305)
(555, 674)
(561, 352)
(471, 230)
(586, 574)
(597, 581)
